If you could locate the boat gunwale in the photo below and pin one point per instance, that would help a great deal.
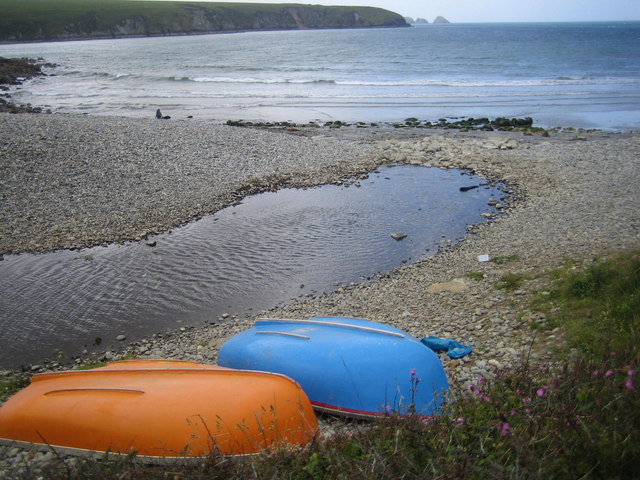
(333, 324)
(114, 372)
(100, 454)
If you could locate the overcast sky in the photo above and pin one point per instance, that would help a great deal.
(499, 10)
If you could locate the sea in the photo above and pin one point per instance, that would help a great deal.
(584, 75)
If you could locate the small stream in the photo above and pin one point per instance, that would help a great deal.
(271, 248)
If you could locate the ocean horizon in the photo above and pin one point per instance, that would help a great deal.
(583, 74)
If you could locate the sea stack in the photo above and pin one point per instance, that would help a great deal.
(441, 20)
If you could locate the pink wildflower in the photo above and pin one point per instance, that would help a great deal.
(412, 371)
(629, 384)
(526, 400)
(540, 392)
(528, 410)
(459, 420)
(486, 399)
(613, 354)
(596, 373)
(631, 372)
(608, 373)
(505, 429)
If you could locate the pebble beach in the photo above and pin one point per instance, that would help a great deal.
(70, 181)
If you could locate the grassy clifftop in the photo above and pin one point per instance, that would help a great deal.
(41, 20)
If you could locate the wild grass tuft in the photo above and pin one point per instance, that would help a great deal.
(511, 281)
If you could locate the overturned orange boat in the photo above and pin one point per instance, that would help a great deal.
(158, 409)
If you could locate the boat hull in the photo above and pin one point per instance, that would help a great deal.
(159, 409)
(348, 366)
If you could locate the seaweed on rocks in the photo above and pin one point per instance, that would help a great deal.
(13, 71)
(503, 124)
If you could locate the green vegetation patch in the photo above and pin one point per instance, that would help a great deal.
(511, 281)
(502, 259)
(30, 20)
(600, 305)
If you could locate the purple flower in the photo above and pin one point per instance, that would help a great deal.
(412, 371)
(608, 373)
(631, 372)
(629, 384)
(540, 392)
(596, 373)
(504, 431)
(459, 420)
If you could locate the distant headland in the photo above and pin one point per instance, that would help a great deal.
(422, 21)
(54, 20)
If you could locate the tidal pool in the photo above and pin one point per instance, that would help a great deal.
(267, 250)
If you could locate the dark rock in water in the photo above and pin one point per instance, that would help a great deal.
(398, 236)
(466, 189)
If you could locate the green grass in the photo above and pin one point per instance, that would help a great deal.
(601, 304)
(502, 259)
(477, 276)
(574, 419)
(12, 384)
(511, 281)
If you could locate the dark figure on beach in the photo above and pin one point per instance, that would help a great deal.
(158, 114)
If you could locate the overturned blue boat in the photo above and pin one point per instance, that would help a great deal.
(346, 366)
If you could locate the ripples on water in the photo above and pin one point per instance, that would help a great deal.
(269, 249)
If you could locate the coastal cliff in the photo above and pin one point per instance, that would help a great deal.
(45, 20)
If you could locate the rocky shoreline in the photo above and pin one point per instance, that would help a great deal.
(14, 71)
(574, 195)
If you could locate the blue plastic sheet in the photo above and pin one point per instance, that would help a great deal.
(453, 348)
